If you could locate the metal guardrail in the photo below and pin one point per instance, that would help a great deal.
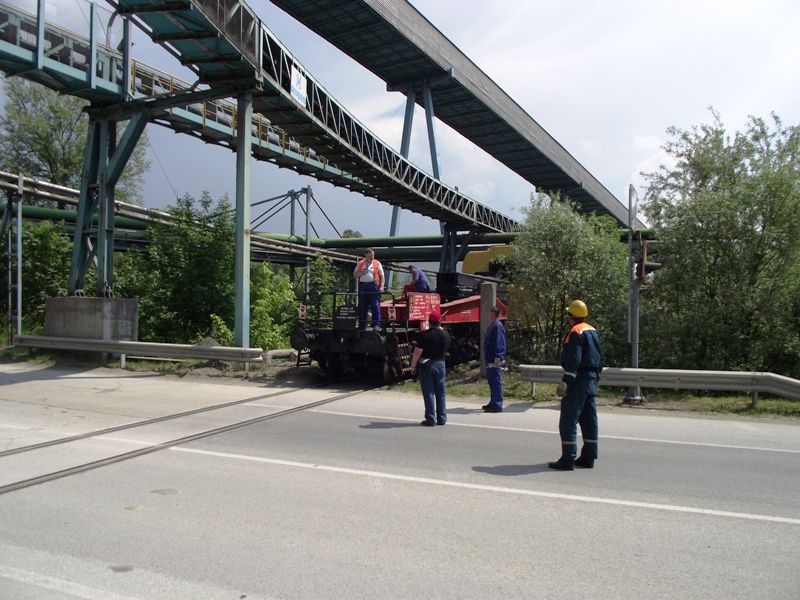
(153, 349)
(744, 381)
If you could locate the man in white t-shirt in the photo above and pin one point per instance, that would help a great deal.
(369, 274)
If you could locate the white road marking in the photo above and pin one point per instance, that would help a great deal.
(62, 586)
(494, 488)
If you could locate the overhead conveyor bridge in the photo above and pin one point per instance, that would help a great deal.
(397, 43)
(207, 34)
(65, 66)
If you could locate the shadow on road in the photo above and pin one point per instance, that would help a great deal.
(387, 425)
(513, 470)
(519, 407)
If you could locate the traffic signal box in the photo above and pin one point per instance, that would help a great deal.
(643, 267)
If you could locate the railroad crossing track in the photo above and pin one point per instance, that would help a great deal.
(31, 465)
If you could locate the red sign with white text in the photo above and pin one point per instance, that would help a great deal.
(421, 305)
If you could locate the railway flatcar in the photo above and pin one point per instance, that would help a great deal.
(331, 335)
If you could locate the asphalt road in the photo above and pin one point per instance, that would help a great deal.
(354, 499)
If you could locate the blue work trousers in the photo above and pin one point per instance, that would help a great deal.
(431, 380)
(495, 378)
(369, 299)
(578, 407)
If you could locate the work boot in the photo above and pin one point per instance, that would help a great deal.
(562, 464)
(584, 462)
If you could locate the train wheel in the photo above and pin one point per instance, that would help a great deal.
(332, 365)
(392, 370)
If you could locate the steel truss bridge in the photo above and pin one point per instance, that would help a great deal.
(281, 115)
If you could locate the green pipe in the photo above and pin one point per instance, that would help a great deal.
(386, 241)
(41, 213)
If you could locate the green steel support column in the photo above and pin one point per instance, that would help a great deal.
(449, 256)
(244, 115)
(40, 22)
(19, 257)
(127, 144)
(92, 62)
(126, 59)
(428, 100)
(81, 254)
(405, 145)
(105, 207)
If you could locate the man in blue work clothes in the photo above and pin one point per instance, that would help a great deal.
(582, 361)
(369, 274)
(419, 282)
(494, 351)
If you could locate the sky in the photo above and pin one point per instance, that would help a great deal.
(604, 78)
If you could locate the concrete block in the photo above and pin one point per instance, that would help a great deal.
(92, 318)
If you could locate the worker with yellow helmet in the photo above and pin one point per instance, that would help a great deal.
(582, 361)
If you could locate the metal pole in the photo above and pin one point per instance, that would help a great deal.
(293, 199)
(9, 274)
(308, 238)
(634, 395)
(19, 259)
(244, 114)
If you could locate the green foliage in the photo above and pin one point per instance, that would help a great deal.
(322, 277)
(352, 233)
(43, 135)
(46, 254)
(220, 331)
(726, 219)
(186, 273)
(560, 255)
(185, 281)
(273, 313)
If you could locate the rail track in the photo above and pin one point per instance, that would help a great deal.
(65, 445)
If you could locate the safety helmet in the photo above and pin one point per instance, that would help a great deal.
(577, 308)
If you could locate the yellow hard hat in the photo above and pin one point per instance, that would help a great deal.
(577, 308)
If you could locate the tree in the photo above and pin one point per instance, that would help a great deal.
(186, 274)
(351, 233)
(274, 311)
(560, 255)
(46, 253)
(43, 135)
(727, 221)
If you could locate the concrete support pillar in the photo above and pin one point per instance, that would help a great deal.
(488, 300)
(244, 117)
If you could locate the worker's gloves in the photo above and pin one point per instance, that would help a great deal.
(561, 389)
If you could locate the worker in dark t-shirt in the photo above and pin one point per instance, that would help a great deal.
(428, 360)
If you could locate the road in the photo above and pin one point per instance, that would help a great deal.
(353, 499)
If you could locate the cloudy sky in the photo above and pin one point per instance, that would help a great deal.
(604, 78)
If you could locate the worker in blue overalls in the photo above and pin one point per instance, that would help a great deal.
(494, 351)
(419, 282)
(370, 277)
(582, 361)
